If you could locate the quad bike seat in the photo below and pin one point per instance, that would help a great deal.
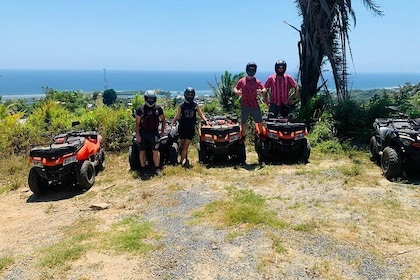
(220, 129)
(285, 127)
(416, 123)
(56, 150)
(382, 121)
(401, 125)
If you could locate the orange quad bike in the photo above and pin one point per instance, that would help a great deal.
(71, 158)
(221, 140)
(281, 139)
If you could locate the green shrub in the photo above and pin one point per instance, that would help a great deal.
(323, 130)
(213, 108)
(51, 118)
(71, 100)
(350, 120)
(115, 126)
(12, 138)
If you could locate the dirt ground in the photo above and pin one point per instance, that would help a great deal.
(344, 224)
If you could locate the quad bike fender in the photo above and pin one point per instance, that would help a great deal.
(263, 131)
(91, 147)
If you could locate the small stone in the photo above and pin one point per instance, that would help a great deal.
(99, 206)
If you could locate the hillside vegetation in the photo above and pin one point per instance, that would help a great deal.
(335, 217)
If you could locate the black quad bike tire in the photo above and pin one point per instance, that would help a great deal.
(241, 153)
(262, 151)
(86, 175)
(173, 154)
(37, 184)
(390, 163)
(373, 150)
(102, 160)
(305, 151)
(202, 155)
(133, 158)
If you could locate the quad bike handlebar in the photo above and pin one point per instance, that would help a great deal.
(215, 120)
(394, 112)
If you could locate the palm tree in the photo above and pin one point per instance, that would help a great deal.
(224, 90)
(325, 34)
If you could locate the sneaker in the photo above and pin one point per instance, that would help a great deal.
(142, 172)
(158, 172)
(186, 164)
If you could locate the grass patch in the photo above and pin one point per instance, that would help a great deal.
(51, 208)
(277, 243)
(14, 170)
(351, 170)
(128, 235)
(6, 261)
(243, 207)
(125, 236)
(306, 227)
(325, 270)
(72, 247)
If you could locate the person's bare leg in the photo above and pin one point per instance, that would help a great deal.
(156, 158)
(142, 157)
(184, 149)
(243, 129)
(260, 126)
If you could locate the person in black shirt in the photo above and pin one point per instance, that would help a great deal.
(147, 125)
(187, 115)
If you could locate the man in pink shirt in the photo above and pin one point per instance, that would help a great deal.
(248, 88)
(281, 85)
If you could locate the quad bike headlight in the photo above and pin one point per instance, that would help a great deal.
(209, 139)
(273, 135)
(406, 140)
(234, 137)
(300, 136)
(37, 163)
(69, 160)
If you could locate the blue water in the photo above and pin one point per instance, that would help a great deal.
(30, 83)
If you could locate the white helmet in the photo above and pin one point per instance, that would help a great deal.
(150, 98)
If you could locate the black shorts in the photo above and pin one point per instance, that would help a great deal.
(274, 110)
(149, 140)
(186, 133)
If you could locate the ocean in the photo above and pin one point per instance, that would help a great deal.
(16, 84)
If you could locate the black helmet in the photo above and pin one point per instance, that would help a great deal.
(251, 68)
(189, 94)
(280, 67)
(150, 98)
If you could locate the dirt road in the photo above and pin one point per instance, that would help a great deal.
(342, 223)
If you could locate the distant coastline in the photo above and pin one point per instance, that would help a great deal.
(15, 84)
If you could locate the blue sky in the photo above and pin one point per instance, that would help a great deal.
(191, 35)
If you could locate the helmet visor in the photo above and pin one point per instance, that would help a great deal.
(280, 69)
(150, 100)
(251, 71)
